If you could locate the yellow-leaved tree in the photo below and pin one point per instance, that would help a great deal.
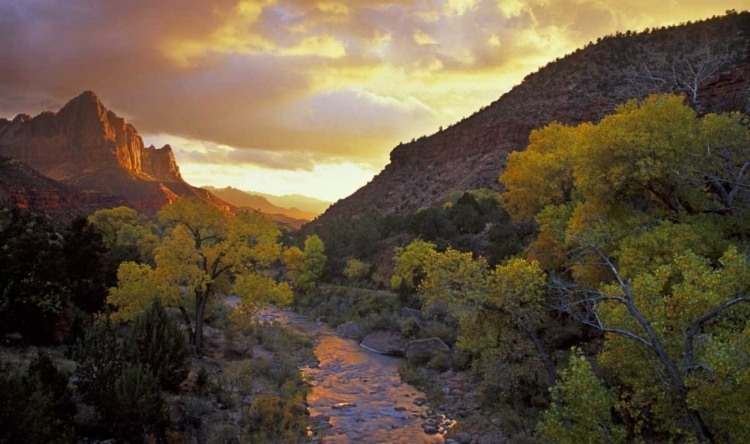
(642, 226)
(205, 252)
(312, 265)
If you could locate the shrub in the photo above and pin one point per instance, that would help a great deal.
(137, 407)
(111, 377)
(157, 342)
(100, 360)
(36, 407)
(266, 413)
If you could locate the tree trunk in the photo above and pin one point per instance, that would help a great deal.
(186, 319)
(548, 365)
(678, 385)
(200, 310)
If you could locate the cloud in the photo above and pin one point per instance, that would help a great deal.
(295, 84)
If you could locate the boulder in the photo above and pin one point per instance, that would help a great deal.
(385, 342)
(421, 350)
(414, 314)
(349, 330)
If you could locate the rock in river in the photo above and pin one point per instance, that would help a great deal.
(385, 342)
(349, 330)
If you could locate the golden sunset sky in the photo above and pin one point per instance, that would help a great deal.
(297, 96)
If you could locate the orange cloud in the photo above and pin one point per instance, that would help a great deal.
(298, 84)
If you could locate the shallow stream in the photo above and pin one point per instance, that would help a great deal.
(357, 395)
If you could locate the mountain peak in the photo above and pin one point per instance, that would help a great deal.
(89, 147)
(86, 98)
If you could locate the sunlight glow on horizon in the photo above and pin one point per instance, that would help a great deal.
(298, 96)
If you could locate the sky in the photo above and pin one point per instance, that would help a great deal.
(296, 96)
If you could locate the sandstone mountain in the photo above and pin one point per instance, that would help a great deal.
(260, 202)
(708, 61)
(90, 148)
(22, 186)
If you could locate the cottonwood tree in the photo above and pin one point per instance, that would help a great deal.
(293, 258)
(123, 227)
(205, 251)
(685, 315)
(498, 311)
(313, 264)
(648, 240)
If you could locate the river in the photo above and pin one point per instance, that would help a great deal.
(357, 395)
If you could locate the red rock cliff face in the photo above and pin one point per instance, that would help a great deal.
(90, 147)
(581, 87)
(82, 137)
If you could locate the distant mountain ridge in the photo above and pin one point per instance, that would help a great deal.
(90, 148)
(304, 203)
(293, 206)
(583, 86)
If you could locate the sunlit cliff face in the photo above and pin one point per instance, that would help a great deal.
(305, 96)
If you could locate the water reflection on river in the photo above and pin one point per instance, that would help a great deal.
(358, 391)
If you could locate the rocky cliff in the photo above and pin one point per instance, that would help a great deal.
(89, 147)
(583, 86)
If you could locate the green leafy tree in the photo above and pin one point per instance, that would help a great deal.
(293, 259)
(84, 252)
(313, 264)
(410, 262)
(100, 357)
(32, 275)
(203, 251)
(642, 230)
(125, 227)
(356, 270)
(583, 413)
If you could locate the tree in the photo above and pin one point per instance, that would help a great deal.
(584, 411)
(32, 275)
(293, 260)
(84, 255)
(203, 251)
(312, 267)
(683, 67)
(356, 270)
(646, 248)
(158, 343)
(665, 311)
(410, 262)
(498, 311)
(125, 227)
(137, 407)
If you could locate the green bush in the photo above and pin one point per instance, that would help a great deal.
(36, 407)
(158, 343)
(126, 391)
(137, 407)
(100, 360)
